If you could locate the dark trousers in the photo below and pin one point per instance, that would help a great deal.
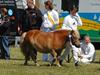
(5, 54)
(22, 20)
(0, 46)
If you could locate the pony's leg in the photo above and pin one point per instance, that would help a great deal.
(27, 54)
(25, 50)
(27, 57)
(34, 57)
(55, 57)
(59, 55)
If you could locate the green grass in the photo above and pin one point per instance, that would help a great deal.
(15, 66)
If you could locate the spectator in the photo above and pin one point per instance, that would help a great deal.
(34, 15)
(87, 51)
(22, 25)
(71, 22)
(5, 28)
(51, 20)
(21, 16)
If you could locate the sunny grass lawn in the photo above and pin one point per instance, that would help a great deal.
(15, 66)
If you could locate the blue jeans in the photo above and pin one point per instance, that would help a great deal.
(5, 54)
(45, 57)
(47, 29)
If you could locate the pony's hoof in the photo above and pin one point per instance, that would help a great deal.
(49, 64)
(59, 65)
(25, 64)
(37, 64)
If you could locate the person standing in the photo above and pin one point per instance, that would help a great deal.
(5, 28)
(21, 6)
(22, 25)
(50, 21)
(71, 22)
(34, 15)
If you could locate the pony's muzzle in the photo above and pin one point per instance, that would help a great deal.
(78, 46)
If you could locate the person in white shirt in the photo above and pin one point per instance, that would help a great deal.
(50, 21)
(21, 4)
(71, 22)
(51, 17)
(87, 51)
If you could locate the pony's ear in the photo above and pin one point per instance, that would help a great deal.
(75, 34)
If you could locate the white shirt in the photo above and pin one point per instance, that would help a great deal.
(71, 22)
(55, 17)
(21, 4)
(88, 51)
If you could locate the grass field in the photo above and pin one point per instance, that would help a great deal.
(15, 66)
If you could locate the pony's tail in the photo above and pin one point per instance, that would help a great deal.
(23, 44)
(22, 37)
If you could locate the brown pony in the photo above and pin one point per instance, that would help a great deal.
(46, 42)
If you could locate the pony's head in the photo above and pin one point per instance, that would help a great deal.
(75, 38)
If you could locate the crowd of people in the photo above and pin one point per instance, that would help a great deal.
(33, 18)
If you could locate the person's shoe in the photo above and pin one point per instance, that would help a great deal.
(7, 58)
